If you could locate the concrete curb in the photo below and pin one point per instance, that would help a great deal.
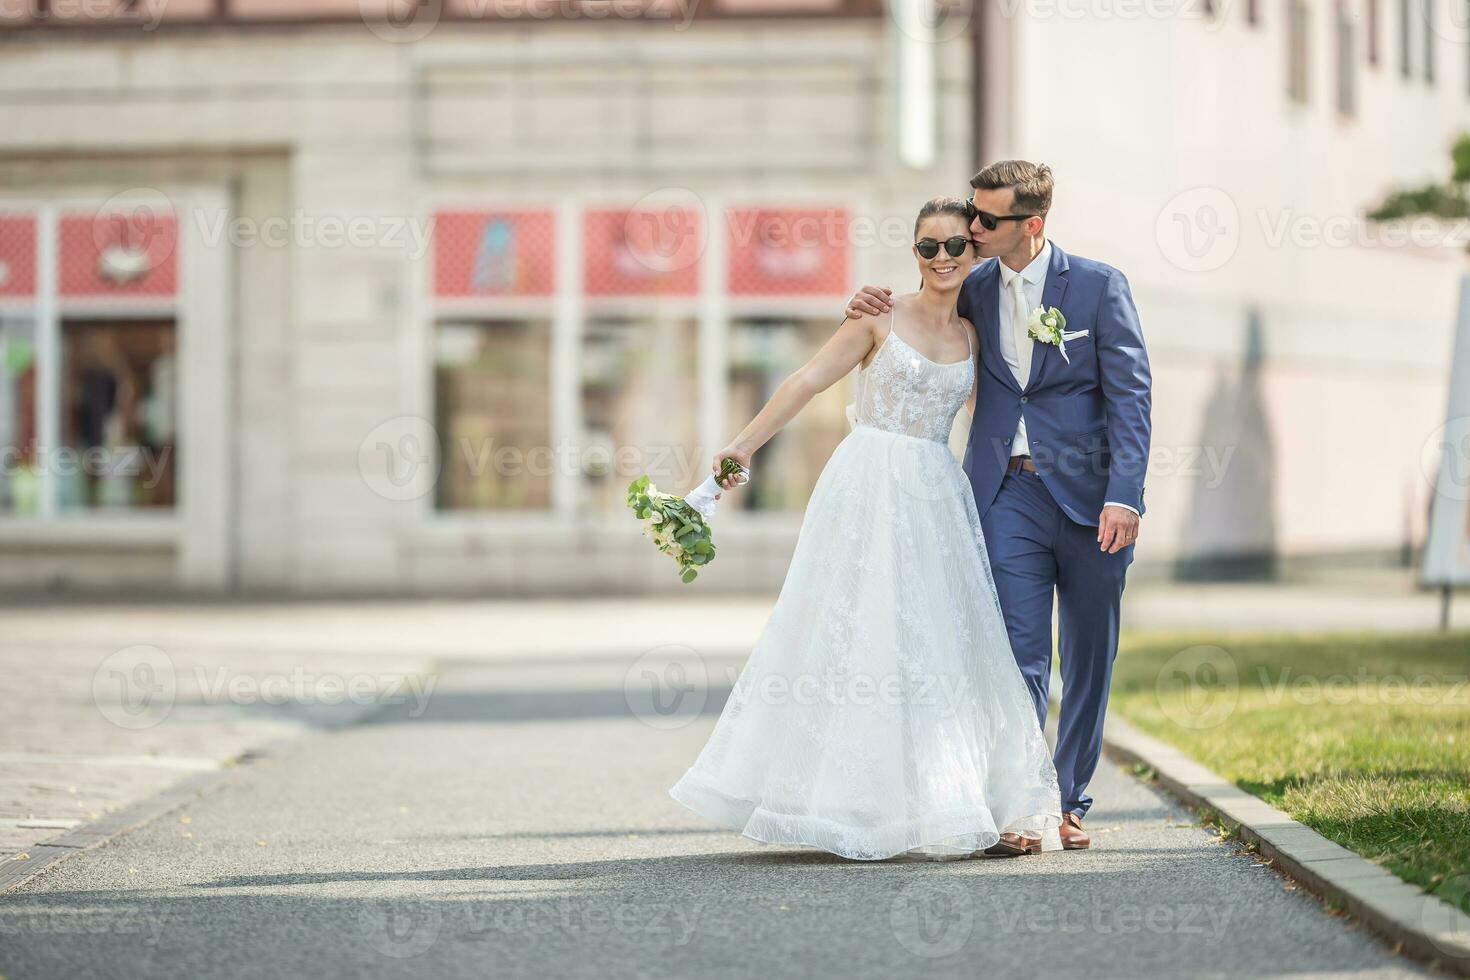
(1422, 926)
(54, 850)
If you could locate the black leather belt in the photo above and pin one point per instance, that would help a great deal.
(1021, 463)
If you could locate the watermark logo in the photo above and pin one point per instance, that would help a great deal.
(1198, 230)
(134, 232)
(401, 21)
(933, 21)
(667, 687)
(135, 687)
(1447, 926)
(399, 459)
(401, 929)
(1444, 459)
(1198, 687)
(667, 230)
(932, 917)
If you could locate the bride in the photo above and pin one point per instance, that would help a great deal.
(881, 713)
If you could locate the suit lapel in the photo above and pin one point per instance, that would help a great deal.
(1051, 295)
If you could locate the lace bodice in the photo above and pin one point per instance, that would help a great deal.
(903, 391)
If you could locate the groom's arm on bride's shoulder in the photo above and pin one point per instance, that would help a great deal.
(869, 301)
(842, 352)
(1128, 397)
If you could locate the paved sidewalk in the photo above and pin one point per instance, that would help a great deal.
(109, 703)
(521, 828)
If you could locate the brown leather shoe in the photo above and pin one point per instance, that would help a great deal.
(1072, 834)
(1012, 845)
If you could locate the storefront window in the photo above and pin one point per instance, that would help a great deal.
(640, 408)
(763, 353)
(19, 480)
(492, 410)
(119, 391)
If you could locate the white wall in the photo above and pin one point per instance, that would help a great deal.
(1149, 119)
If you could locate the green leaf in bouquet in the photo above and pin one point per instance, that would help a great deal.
(689, 575)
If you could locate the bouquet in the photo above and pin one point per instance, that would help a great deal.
(679, 526)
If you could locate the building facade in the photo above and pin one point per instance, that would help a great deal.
(305, 299)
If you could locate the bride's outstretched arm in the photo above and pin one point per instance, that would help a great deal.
(838, 356)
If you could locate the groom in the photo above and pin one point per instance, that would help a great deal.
(1056, 458)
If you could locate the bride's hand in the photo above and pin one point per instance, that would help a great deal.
(739, 455)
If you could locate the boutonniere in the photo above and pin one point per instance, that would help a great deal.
(1047, 325)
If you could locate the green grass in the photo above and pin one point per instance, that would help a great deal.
(1363, 738)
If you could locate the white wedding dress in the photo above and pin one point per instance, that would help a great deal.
(881, 712)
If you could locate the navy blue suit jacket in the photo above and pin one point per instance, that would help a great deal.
(1087, 421)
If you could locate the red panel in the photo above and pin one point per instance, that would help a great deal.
(788, 251)
(653, 252)
(494, 253)
(18, 256)
(120, 253)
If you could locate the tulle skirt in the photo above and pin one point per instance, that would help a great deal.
(881, 712)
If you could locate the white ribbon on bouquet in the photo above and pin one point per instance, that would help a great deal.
(702, 497)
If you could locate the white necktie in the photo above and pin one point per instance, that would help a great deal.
(1019, 316)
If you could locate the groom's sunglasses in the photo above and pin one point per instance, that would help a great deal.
(955, 246)
(989, 221)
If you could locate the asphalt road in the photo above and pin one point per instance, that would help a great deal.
(521, 828)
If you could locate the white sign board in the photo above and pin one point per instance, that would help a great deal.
(1447, 462)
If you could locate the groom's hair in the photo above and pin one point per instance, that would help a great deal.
(1032, 182)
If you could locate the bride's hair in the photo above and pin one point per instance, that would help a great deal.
(957, 206)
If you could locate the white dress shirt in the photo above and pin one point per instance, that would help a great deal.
(1013, 335)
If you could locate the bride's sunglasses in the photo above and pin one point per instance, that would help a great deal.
(955, 247)
(989, 221)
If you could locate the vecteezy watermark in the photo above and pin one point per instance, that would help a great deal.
(406, 21)
(932, 21)
(135, 231)
(145, 466)
(1048, 918)
(1210, 13)
(1447, 926)
(137, 687)
(145, 14)
(1444, 459)
(401, 928)
(1198, 687)
(667, 687)
(1198, 230)
(145, 922)
(659, 924)
(667, 230)
(306, 230)
(1362, 687)
(932, 917)
(399, 458)
(303, 687)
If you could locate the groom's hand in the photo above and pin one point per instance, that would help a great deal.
(872, 300)
(1117, 528)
